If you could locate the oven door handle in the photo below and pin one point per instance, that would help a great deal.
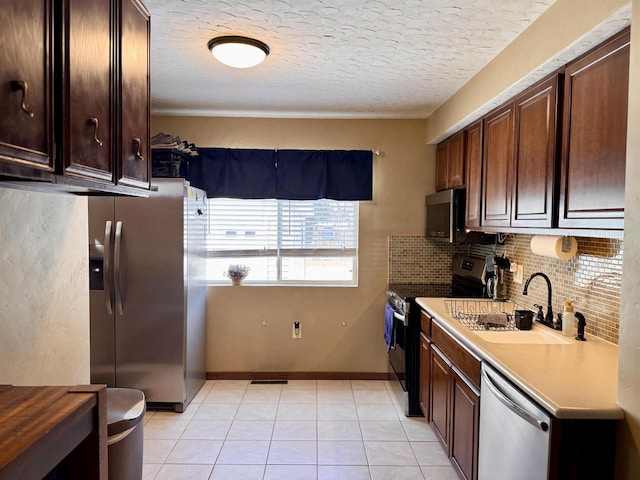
(402, 318)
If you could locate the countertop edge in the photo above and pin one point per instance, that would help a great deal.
(597, 412)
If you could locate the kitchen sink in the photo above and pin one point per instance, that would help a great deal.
(467, 312)
(533, 336)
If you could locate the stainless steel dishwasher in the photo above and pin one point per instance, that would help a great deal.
(514, 432)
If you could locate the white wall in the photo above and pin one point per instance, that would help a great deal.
(44, 291)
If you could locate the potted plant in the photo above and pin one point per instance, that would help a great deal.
(237, 273)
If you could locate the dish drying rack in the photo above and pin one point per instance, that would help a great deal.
(467, 312)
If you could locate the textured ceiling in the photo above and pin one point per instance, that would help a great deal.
(340, 58)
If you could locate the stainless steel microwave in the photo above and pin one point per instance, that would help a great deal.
(446, 216)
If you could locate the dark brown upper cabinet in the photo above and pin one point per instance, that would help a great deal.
(442, 154)
(533, 203)
(450, 162)
(134, 154)
(87, 90)
(62, 66)
(592, 175)
(26, 100)
(473, 164)
(497, 168)
(520, 160)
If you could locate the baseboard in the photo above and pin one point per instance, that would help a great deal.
(298, 376)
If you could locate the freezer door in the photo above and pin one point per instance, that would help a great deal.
(150, 277)
(101, 210)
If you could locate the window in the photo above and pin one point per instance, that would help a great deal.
(300, 242)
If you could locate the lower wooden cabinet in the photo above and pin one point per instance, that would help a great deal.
(425, 369)
(440, 395)
(453, 403)
(465, 417)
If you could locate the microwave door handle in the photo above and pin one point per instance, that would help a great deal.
(117, 280)
(513, 406)
(106, 268)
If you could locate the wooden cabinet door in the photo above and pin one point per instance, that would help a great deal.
(465, 417)
(134, 114)
(440, 396)
(450, 162)
(88, 85)
(455, 161)
(441, 166)
(498, 167)
(425, 362)
(473, 164)
(533, 203)
(594, 137)
(26, 97)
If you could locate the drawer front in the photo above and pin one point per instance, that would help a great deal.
(458, 355)
(425, 323)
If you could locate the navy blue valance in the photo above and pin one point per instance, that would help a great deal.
(284, 174)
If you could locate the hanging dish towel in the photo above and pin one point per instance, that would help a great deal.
(389, 337)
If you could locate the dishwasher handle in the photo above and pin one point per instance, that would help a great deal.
(514, 407)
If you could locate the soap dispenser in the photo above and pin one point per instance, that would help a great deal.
(568, 319)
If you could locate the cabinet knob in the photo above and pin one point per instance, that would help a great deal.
(94, 122)
(24, 86)
(138, 142)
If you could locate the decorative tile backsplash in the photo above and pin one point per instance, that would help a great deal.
(592, 278)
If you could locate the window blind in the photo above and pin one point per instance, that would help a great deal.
(274, 233)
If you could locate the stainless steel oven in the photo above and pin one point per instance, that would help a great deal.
(404, 351)
(397, 349)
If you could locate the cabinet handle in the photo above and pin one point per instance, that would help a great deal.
(94, 122)
(24, 86)
(138, 142)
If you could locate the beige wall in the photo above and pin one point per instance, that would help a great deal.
(44, 289)
(562, 24)
(560, 27)
(629, 370)
(403, 174)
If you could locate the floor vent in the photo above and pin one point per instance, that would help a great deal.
(269, 382)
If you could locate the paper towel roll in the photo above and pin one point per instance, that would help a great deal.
(552, 246)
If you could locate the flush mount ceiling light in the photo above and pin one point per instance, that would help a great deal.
(238, 52)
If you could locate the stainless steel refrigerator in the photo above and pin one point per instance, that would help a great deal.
(148, 292)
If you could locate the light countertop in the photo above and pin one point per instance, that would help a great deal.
(577, 380)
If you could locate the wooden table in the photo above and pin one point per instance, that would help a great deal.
(43, 427)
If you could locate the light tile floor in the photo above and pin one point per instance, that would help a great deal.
(304, 430)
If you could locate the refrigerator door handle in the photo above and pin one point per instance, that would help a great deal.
(106, 270)
(117, 281)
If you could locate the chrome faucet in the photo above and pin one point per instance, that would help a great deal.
(549, 316)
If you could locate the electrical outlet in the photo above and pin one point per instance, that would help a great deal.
(518, 277)
(513, 267)
(296, 331)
